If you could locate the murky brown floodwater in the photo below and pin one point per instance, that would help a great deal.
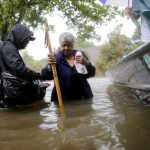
(112, 121)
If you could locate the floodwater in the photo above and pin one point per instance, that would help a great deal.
(113, 120)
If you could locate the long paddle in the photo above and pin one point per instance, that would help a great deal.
(56, 81)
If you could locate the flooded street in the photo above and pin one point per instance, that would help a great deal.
(113, 120)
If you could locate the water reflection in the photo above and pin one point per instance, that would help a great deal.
(86, 124)
(113, 120)
(71, 130)
(18, 128)
(134, 127)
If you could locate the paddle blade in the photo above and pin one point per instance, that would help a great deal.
(47, 40)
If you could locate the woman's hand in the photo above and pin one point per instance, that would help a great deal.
(82, 60)
(130, 14)
(51, 59)
(128, 11)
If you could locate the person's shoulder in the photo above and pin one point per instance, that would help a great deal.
(82, 51)
(75, 50)
(7, 46)
(1, 43)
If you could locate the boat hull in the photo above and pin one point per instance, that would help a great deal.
(133, 70)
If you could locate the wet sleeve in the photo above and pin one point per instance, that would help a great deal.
(47, 73)
(15, 65)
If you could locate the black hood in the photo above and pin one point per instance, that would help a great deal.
(18, 34)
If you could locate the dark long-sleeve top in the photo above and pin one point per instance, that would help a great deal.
(14, 63)
(74, 86)
(9, 51)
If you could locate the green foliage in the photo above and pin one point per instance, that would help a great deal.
(82, 44)
(82, 16)
(111, 52)
(35, 65)
(22, 11)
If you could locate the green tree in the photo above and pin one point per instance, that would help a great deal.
(111, 52)
(83, 16)
(82, 44)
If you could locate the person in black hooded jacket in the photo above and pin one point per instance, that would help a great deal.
(17, 39)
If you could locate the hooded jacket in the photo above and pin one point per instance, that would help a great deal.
(74, 86)
(9, 51)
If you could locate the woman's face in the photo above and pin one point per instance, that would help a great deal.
(66, 48)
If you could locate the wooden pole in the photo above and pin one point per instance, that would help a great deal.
(53, 66)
